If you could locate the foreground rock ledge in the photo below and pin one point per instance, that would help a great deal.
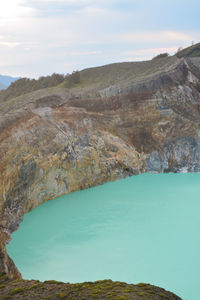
(104, 289)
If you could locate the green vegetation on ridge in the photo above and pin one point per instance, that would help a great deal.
(100, 77)
(26, 85)
(103, 289)
(192, 51)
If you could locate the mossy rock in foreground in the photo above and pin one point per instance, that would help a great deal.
(103, 289)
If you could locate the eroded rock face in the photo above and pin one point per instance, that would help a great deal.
(58, 141)
(7, 266)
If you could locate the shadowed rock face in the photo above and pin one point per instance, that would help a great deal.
(56, 141)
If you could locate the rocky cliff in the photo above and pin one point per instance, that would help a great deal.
(119, 120)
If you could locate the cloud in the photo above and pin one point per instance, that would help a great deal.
(70, 2)
(150, 51)
(156, 37)
(84, 53)
(53, 7)
(146, 54)
(38, 37)
(10, 44)
(13, 44)
(74, 2)
(13, 9)
(92, 11)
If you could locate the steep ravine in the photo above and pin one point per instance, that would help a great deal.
(56, 141)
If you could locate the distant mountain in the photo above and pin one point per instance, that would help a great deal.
(5, 81)
(2, 86)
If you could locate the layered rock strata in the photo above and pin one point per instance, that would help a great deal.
(57, 140)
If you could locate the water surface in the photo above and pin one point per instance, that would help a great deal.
(141, 229)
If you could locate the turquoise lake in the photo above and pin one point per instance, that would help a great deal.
(141, 229)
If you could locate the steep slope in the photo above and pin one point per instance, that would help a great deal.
(119, 120)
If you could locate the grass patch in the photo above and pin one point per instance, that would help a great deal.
(141, 284)
(4, 277)
(121, 297)
(53, 282)
(61, 295)
(34, 286)
(18, 290)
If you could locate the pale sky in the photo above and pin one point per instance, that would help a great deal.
(40, 37)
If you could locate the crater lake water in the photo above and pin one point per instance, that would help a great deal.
(141, 229)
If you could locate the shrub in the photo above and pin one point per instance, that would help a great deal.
(53, 282)
(72, 79)
(2, 286)
(161, 55)
(17, 290)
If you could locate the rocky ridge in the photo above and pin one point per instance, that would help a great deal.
(103, 289)
(136, 117)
